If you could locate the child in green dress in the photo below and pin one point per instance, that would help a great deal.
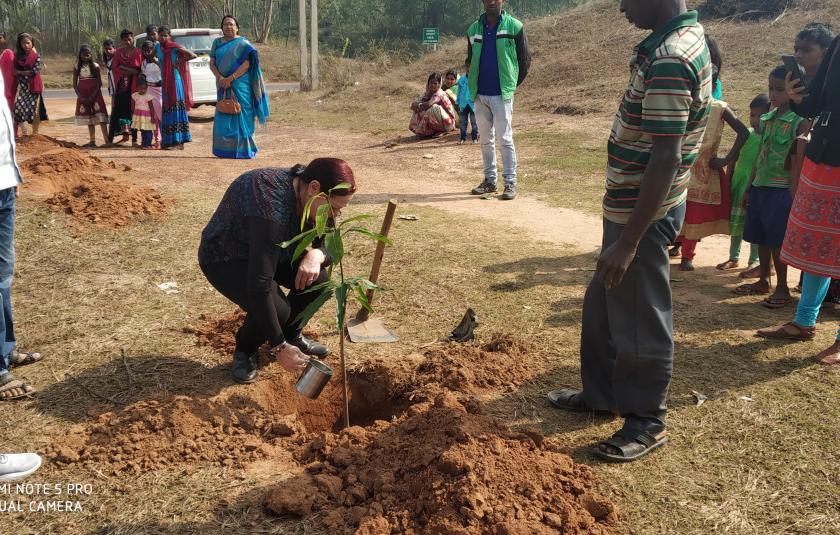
(739, 184)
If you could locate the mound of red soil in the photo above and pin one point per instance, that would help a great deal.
(61, 160)
(472, 367)
(82, 185)
(219, 333)
(443, 468)
(109, 203)
(239, 426)
(153, 434)
(501, 363)
(32, 145)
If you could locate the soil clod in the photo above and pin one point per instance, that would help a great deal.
(80, 184)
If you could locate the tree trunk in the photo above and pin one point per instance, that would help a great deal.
(266, 24)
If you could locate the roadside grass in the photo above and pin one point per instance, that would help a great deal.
(88, 299)
(563, 168)
(57, 71)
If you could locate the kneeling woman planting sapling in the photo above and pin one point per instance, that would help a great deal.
(241, 256)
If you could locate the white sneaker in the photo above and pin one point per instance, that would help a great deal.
(14, 466)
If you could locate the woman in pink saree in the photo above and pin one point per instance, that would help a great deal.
(433, 112)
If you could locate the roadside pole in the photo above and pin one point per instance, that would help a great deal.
(304, 57)
(316, 75)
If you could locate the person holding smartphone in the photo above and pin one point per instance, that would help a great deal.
(812, 241)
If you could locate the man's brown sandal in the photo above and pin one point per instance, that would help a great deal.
(12, 389)
(789, 331)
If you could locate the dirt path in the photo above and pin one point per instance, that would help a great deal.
(411, 172)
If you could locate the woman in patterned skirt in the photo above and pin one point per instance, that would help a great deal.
(812, 241)
(29, 85)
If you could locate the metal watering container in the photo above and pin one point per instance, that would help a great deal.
(314, 378)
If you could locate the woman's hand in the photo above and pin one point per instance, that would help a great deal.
(310, 269)
(795, 90)
(224, 82)
(291, 358)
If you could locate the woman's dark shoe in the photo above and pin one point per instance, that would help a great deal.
(244, 367)
(310, 347)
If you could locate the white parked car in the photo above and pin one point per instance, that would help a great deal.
(198, 41)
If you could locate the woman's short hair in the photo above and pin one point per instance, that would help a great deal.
(329, 172)
(221, 24)
(126, 33)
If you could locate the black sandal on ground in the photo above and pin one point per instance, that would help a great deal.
(630, 449)
(16, 358)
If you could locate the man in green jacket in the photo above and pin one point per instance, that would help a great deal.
(498, 55)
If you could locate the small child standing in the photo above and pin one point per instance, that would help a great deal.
(465, 108)
(90, 106)
(144, 118)
(769, 199)
(708, 206)
(738, 187)
(108, 52)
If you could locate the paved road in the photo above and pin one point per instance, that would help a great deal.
(272, 87)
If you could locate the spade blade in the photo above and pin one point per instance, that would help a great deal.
(370, 331)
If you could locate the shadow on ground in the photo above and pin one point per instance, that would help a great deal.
(243, 514)
(125, 380)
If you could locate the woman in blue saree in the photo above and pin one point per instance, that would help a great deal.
(236, 65)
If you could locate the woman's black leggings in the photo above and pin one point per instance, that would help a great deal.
(230, 279)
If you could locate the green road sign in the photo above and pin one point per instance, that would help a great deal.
(431, 35)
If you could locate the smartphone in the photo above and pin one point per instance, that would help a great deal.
(793, 67)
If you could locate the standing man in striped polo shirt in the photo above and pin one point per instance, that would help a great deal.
(627, 346)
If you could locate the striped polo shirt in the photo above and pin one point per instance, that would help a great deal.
(670, 93)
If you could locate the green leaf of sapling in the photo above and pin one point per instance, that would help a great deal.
(334, 246)
(321, 218)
